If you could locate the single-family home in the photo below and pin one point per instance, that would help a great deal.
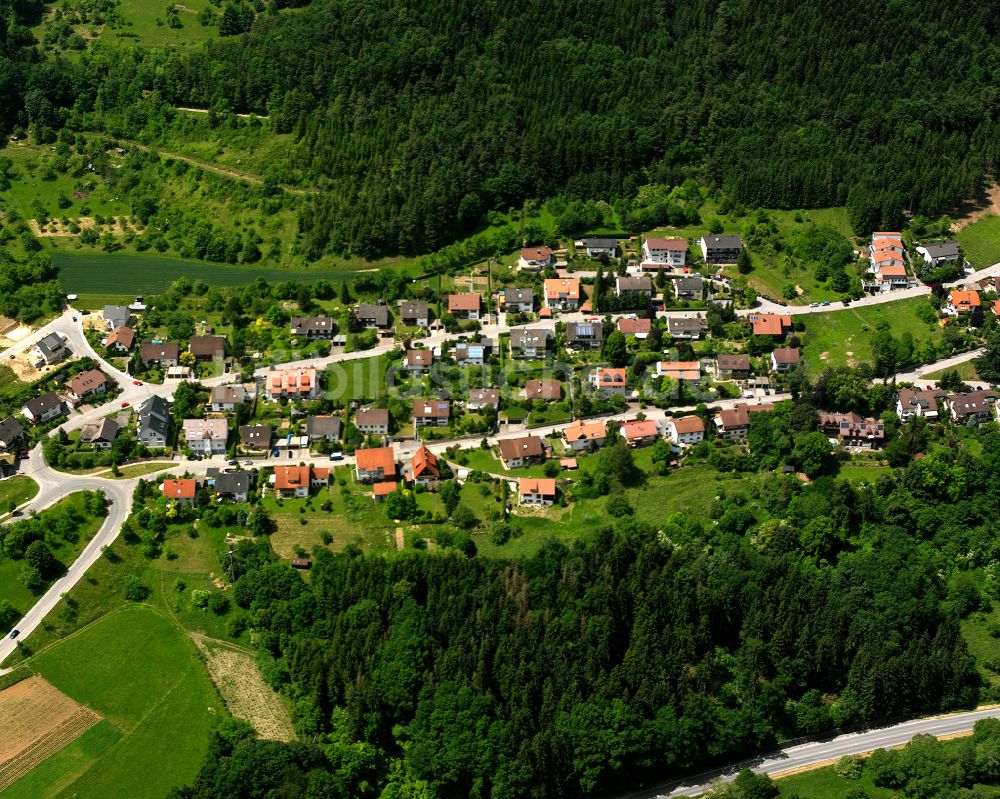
(232, 485)
(465, 306)
(962, 302)
(181, 492)
(602, 249)
(424, 468)
(516, 300)
(206, 436)
(418, 362)
(256, 437)
(945, 252)
(431, 413)
(375, 465)
(563, 294)
(323, 428)
(518, 452)
(483, 398)
(689, 288)
(312, 327)
(784, 358)
(164, 354)
(580, 435)
(100, 435)
(887, 245)
(475, 354)
(720, 249)
(911, 403)
(296, 481)
(11, 434)
(528, 343)
(734, 423)
(774, 325)
(608, 382)
(207, 348)
(889, 276)
(121, 339)
(634, 285)
(658, 252)
(584, 336)
(42, 408)
(415, 313)
(685, 371)
(373, 315)
(639, 328)
(116, 316)
(539, 492)
(730, 366)
(972, 408)
(372, 421)
(153, 422)
(294, 383)
(687, 326)
(639, 432)
(84, 384)
(535, 259)
(226, 398)
(686, 430)
(50, 349)
(853, 431)
(549, 390)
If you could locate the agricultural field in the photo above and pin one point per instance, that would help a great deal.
(981, 241)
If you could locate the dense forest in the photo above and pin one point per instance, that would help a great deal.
(415, 120)
(640, 654)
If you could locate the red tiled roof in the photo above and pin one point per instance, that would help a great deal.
(542, 486)
(688, 424)
(425, 462)
(370, 460)
(179, 489)
(464, 302)
(770, 324)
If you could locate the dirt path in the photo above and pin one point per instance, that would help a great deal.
(992, 207)
(205, 110)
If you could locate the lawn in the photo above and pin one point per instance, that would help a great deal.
(966, 371)
(981, 241)
(15, 491)
(362, 379)
(843, 337)
(140, 671)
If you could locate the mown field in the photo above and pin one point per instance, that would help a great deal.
(981, 241)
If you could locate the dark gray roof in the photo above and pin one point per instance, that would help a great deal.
(10, 431)
(724, 242)
(39, 406)
(116, 315)
(413, 309)
(584, 330)
(50, 345)
(634, 284)
(519, 337)
(233, 482)
(377, 314)
(685, 323)
(105, 430)
(323, 427)
(154, 415)
(519, 295)
(255, 435)
(304, 325)
(599, 244)
(690, 284)
(944, 249)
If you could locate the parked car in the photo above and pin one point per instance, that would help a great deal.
(124, 404)
(336, 456)
(136, 382)
(14, 634)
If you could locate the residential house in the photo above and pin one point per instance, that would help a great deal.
(431, 413)
(418, 362)
(734, 423)
(116, 316)
(689, 327)
(207, 348)
(889, 244)
(774, 325)
(82, 385)
(785, 358)
(911, 403)
(516, 300)
(381, 490)
(563, 294)
(639, 432)
(375, 465)
(372, 421)
(295, 383)
(414, 313)
(535, 259)
(689, 288)
(685, 371)
(296, 481)
(972, 408)
(889, 276)
(153, 422)
(639, 328)
(121, 339)
(424, 468)
(324, 428)
(483, 398)
(206, 436)
(163, 354)
(721, 249)
(11, 434)
(518, 452)
(549, 390)
(256, 437)
(602, 249)
(100, 435)
(686, 430)
(962, 302)
(733, 367)
(851, 430)
(465, 306)
(584, 336)
(608, 382)
(473, 354)
(580, 435)
(49, 350)
(945, 252)
(538, 492)
(40, 409)
(312, 327)
(658, 252)
(373, 316)
(530, 344)
(181, 492)
(226, 398)
(634, 285)
(232, 485)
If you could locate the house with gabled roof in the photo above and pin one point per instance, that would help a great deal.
(580, 435)
(945, 252)
(771, 324)
(511, 300)
(414, 313)
(431, 413)
(686, 430)
(518, 452)
(121, 339)
(640, 328)
(733, 366)
(226, 398)
(585, 336)
(563, 294)
(206, 436)
(84, 384)
(689, 288)
(312, 328)
(100, 435)
(529, 343)
(256, 437)
(424, 468)
(608, 382)
(658, 252)
(465, 306)
(164, 354)
(11, 434)
(483, 398)
(373, 315)
(974, 407)
(535, 259)
(911, 403)
(538, 492)
(633, 285)
(296, 481)
(372, 421)
(207, 348)
(639, 432)
(720, 249)
(418, 362)
(598, 248)
(785, 358)
(962, 302)
(293, 383)
(116, 316)
(153, 422)
(375, 465)
(686, 371)
(42, 408)
(548, 389)
(182, 492)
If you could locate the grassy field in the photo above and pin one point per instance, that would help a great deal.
(981, 241)
(16, 490)
(842, 337)
(357, 379)
(138, 670)
(966, 371)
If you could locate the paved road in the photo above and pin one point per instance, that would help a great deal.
(918, 373)
(821, 751)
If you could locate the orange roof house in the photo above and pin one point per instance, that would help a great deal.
(375, 464)
(380, 490)
(463, 302)
(537, 491)
(581, 435)
(615, 380)
(292, 383)
(425, 465)
(637, 431)
(770, 324)
(892, 270)
(963, 301)
(679, 370)
(183, 490)
(562, 292)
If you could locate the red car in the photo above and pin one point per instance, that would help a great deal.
(136, 382)
(124, 404)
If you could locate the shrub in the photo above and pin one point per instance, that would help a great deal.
(199, 598)
(849, 767)
(134, 589)
(218, 603)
